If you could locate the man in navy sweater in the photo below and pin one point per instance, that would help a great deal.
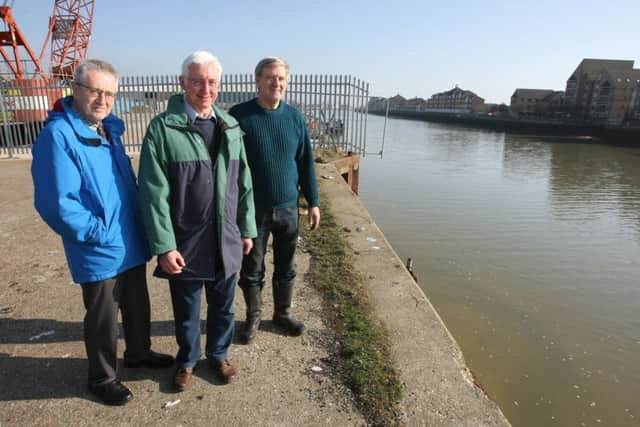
(280, 156)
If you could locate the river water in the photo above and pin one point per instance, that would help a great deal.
(529, 248)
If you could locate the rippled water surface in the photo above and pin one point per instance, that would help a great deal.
(529, 248)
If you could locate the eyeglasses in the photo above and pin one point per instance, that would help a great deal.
(200, 83)
(97, 92)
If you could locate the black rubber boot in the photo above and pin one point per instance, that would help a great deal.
(253, 301)
(282, 293)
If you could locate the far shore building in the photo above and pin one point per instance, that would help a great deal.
(615, 97)
(536, 102)
(581, 83)
(396, 103)
(635, 105)
(456, 100)
(415, 104)
(377, 103)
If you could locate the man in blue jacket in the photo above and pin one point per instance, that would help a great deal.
(86, 191)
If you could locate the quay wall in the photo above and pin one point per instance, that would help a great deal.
(607, 134)
(439, 387)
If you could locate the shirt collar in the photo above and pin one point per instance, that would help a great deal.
(191, 113)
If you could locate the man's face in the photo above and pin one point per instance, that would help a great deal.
(93, 97)
(201, 87)
(272, 83)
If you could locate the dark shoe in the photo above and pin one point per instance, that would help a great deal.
(153, 360)
(282, 294)
(114, 393)
(253, 301)
(183, 377)
(290, 325)
(224, 370)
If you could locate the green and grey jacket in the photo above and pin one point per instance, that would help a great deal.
(180, 184)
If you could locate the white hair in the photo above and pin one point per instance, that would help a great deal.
(93, 65)
(200, 57)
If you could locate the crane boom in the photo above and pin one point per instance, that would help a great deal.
(69, 32)
(15, 40)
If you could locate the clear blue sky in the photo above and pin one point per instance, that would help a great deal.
(414, 48)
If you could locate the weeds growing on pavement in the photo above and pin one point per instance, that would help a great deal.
(365, 362)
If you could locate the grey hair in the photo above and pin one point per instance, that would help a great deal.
(270, 61)
(93, 65)
(200, 57)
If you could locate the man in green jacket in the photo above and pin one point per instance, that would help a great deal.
(197, 202)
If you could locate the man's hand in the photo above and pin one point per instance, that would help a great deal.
(314, 218)
(247, 245)
(171, 262)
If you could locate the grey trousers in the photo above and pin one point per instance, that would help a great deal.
(128, 293)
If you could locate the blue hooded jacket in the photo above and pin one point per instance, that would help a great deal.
(85, 190)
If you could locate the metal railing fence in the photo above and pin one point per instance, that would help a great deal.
(23, 109)
(334, 106)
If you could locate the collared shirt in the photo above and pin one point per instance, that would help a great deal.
(96, 127)
(191, 113)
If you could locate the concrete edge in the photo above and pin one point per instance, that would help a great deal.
(439, 387)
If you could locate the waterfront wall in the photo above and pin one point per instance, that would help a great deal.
(613, 135)
(439, 387)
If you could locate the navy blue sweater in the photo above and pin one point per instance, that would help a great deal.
(279, 154)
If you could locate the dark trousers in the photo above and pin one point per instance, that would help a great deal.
(127, 293)
(283, 224)
(186, 296)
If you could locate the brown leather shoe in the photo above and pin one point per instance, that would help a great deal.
(183, 378)
(224, 370)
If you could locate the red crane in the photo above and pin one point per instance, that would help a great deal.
(12, 37)
(69, 32)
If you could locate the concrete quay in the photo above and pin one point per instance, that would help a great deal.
(43, 363)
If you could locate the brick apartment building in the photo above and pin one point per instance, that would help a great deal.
(604, 90)
(456, 100)
(536, 102)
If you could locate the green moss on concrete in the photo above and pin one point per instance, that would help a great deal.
(365, 362)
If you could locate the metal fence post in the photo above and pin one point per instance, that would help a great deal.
(5, 125)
